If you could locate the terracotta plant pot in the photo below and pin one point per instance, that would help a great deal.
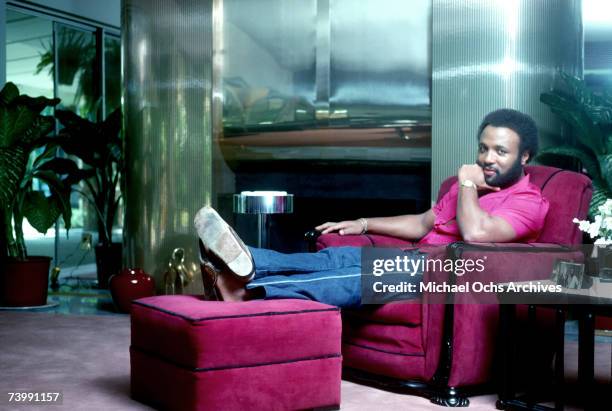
(24, 283)
(108, 262)
(130, 284)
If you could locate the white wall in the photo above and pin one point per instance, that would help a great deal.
(107, 12)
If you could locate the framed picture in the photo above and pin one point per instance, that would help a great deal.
(568, 274)
(604, 263)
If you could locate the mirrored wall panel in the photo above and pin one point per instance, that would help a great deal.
(269, 65)
(316, 64)
(379, 63)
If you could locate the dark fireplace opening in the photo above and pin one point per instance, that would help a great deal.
(326, 192)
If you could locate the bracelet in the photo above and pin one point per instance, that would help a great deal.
(364, 225)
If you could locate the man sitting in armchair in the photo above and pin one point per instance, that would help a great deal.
(492, 201)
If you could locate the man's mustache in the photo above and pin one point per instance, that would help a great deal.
(488, 168)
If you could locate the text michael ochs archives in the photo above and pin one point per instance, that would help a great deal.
(466, 287)
(394, 274)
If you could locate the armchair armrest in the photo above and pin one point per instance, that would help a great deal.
(509, 262)
(317, 241)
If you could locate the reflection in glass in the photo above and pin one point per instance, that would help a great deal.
(27, 38)
(31, 58)
(112, 73)
(597, 22)
(308, 64)
(269, 64)
(379, 63)
(76, 59)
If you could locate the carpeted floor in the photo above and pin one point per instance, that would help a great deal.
(87, 359)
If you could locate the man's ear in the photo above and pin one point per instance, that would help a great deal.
(525, 157)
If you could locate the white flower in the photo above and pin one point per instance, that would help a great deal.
(601, 228)
(603, 241)
(594, 228)
(606, 208)
(584, 226)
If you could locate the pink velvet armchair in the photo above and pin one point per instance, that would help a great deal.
(447, 351)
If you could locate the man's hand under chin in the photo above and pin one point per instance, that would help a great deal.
(474, 173)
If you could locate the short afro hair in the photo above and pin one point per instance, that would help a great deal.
(520, 123)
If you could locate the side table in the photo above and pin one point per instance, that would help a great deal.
(583, 306)
(263, 203)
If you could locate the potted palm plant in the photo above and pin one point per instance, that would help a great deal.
(589, 116)
(99, 147)
(27, 155)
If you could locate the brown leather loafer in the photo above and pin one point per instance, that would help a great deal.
(222, 244)
(210, 274)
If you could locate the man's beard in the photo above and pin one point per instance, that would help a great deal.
(508, 178)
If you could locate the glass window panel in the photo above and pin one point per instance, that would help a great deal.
(112, 101)
(76, 79)
(76, 87)
(112, 73)
(30, 64)
(28, 41)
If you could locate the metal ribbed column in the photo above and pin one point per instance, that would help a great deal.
(168, 79)
(489, 54)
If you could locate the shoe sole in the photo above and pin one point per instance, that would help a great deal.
(219, 239)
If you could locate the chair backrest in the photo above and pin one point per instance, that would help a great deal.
(569, 195)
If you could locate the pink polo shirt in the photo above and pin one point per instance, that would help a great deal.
(521, 205)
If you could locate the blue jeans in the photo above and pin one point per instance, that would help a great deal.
(331, 276)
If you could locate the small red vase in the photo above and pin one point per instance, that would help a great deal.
(130, 284)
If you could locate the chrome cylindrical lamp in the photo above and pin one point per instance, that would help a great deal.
(263, 203)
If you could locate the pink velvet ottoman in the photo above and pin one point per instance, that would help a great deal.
(190, 354)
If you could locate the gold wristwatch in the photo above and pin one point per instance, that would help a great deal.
(468, 183)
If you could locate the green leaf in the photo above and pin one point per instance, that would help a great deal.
(21, 122)
(605, 165)
(70, 119)
(49, 177)
(581, 109)
(13, 163)
(588, 160)
(600, 194)
(14, 122)
(60, 192)
(41, 211)
(608, 141)
(48, 153)
(81, 174)
(37, 104)
(63, 202)
(59, 166)
(99, 146)
(38, 129)
(112, 126)
(8, 93)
